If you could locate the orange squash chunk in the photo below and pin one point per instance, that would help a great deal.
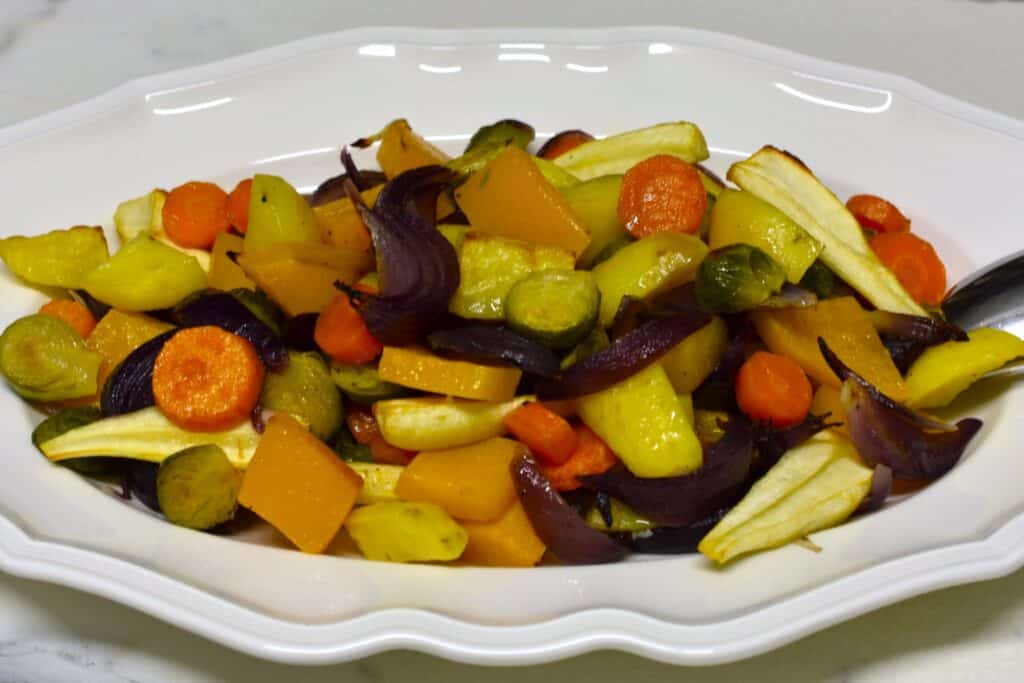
(298, 485)
(509, 541)
(511, 198)
(846, 328)
(300, 277)
(417, 368)
(340, 223)
(119, 333)
(470, 483)
(402, 149)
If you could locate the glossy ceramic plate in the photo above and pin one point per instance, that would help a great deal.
(955, 169)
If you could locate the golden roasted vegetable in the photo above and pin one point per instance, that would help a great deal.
(945, 370)
(511, 198)
(300, 277)
(643, 422)
(596, 202)
(145, 275)
(424, 424)
(692, 360)
(225, 274)
(814, 486)
(741, 218)
(419, 369)
(401, 149)
(340, 222)
(619, 153)
(847, 329)
(647, 267)
(379, 481)
(62, 258)
(278, 213)
(509, 541)
(406, 532)
(490, 266)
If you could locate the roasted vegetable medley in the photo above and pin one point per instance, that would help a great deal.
(505, 357)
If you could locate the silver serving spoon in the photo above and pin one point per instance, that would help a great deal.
(991, 297)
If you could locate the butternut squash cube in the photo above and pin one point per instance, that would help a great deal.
(848, 331)
(471, 483)
(298, 485)
(117, 334)
(225, 274)
(509, 541)
(417, 368)
(402, 149)
(300, 277)
(511, 198)
(340, 223)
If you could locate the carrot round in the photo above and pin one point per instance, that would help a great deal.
(563, 142)
(914, 263)
(875, 213)
(662, 194)
(549, 436)
(773, 389)
(73, 313)
(238, 205)
(341, 333)
(195, 213)
(206, 379)
(591, 456)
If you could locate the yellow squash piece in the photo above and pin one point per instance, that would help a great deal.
(300, 277)
(379, 481)
(643, 422)
(118, 333)
(741, 218)
(471, 483)
(490, 266)
(417, 368)
(341, 225)
(401, 149)
(509, 541)
(692, 360)
(847, 329)
(298, 485)
(647, 267)
(424, 424)
(511, 198)
(406, 532)
(814, 486)
(278, 214)
(62, 258)
(144, 275)
(783, 181)
(596, 202)
(945, 370)
(225, 274)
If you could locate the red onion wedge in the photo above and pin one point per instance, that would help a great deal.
(913, 445)
(419, 269)
(624, 357)
(487, 344)
(563, 531)
(881, 487)
(683, 500)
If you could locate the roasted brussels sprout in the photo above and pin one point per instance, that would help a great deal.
(44, 359)
(737, 278)
(502, 133)
(351, 450)
(198, 487)
(305, 389)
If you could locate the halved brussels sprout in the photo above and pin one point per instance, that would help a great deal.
(44, 359)
(198, 487)
(501, 133)
(305, 389)
(737, 278)
(362, 384)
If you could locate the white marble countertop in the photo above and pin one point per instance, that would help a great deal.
(56, 52)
